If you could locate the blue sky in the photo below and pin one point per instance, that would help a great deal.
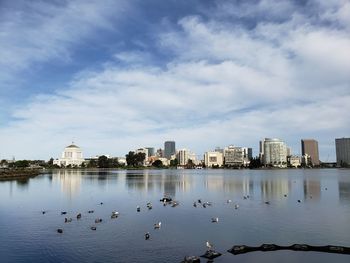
(117, 75)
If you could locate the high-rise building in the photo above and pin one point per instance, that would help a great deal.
(169, 149)
(183, 156)
(151, 151)
(274, 152)
(342, 148)
(310, 147)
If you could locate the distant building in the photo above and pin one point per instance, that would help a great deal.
(213, 159)
(183, 156)
(342, 148)
(151, 151)
(294, 161)
(233, 156)
(72, 155)
(169, 149)
(220, 150)
(159, 153)
(247, 155)
(306, 160)
(274, 152)
(310, 147)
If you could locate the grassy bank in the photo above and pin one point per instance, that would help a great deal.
(18, 173)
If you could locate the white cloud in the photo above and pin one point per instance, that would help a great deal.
(225, 84)
(40, 31)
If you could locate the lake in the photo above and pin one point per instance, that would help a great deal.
(322, 217)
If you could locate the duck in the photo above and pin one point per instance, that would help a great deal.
(229, 201)
(93, 228)
(149, 206)
(115, 214)
(215, 220)
(91, 211)
(60, 230)
(204, 205)
(63, 213)
(195, 204)
(98, 220)
(299, 201)
(174, 204)
(79, 216)
(285, 195)
(267, 202)
(236, 206)
(101, 203)
(138, 209)
(68, 220)
(244, 197)
(147, 236)
(157, 225)
(199, 201)
(43, 212)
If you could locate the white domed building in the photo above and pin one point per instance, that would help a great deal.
(72, 155)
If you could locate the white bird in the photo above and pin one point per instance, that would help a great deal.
(158, 225)
(236, 206)
(209, 246)
(229, 201)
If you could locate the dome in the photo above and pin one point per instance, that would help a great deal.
(72, 146)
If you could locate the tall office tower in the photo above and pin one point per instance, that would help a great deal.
(342, 148)
(274, 152)
(169, 149)
(310, 147)
(151, 151)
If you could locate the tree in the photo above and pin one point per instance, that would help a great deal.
(130, 158)
(50, 162)
(135, 160)
(92, 163)
(157, 163)
(174, 163)
(113, 163)
(21, 164)
(102, 162)
(255, 163)
(140, 157)
(190, 164)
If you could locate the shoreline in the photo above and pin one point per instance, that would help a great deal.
(18, 174)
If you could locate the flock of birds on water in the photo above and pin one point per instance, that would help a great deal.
(166, 200)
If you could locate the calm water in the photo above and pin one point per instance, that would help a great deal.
(26, 235)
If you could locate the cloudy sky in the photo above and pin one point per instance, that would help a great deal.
(116, 75)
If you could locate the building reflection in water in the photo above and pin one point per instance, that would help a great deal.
(312, 190)
(159, 181)
(69, 180)
(344, 192)
(276, 187)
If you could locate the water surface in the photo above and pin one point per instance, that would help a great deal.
(321, 218)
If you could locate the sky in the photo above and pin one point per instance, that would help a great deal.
(114, 76)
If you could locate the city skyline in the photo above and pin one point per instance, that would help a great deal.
(117, 75)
